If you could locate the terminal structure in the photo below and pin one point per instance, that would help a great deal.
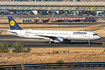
(76, 6)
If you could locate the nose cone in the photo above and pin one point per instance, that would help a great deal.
(98, 37)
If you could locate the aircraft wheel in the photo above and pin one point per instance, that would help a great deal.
(69, 40)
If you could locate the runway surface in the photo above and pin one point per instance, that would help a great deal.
(44, 43)
(49, 16)
(58, 25)
(72, 68)
(46, 27)
(66, 23)
(76, 26)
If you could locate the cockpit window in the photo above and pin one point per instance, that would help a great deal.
(94, 34)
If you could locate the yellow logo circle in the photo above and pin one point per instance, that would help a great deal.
(12, 23)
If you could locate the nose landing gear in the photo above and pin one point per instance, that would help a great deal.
(50, 42)
(89, 42)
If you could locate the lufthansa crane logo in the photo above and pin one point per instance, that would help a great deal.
(12, 23)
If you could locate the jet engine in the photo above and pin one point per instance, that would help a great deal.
(60, 40)
(57, 40)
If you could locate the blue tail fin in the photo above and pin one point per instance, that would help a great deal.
(13, 24)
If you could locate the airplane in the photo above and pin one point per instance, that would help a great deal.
(1, 12)
(52, 35)
(4, 12)
(19, 13)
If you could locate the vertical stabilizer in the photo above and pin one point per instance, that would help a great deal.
(13, 24)
(14, 11)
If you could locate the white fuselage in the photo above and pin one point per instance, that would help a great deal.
(46, 34)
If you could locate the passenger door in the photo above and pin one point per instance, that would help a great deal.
(21, 33)
(89, 36)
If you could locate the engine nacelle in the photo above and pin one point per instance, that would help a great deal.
(58, 40)
(46, 38)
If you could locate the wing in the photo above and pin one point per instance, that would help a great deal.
(55, 39)
(52, 37)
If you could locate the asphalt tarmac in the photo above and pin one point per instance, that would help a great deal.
(50, 16)
(35, 43)
(66, 23)
(72, 68)
(50, 27)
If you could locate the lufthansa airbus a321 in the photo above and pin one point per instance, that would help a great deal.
(52, 35)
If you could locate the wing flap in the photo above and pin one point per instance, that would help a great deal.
(52, 37)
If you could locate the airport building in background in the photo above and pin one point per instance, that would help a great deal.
(73, 6)
(52, 0)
